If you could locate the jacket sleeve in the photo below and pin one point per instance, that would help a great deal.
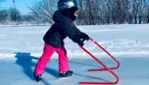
(70, 30)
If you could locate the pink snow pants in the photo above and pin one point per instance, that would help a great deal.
(47, 54)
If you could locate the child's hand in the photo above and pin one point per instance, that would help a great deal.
(81, 42)
(84, 36)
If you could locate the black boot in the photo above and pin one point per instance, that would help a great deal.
(65, 74)
(38, 77)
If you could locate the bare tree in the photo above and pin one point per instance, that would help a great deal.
(147, 13)
(119, 11)
(14, 14)
(3, 16)
(44, 10)
(14, 3)
(90, 12)
(93, 12)
(80, 19)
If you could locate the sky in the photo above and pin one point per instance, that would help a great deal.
(22, 5)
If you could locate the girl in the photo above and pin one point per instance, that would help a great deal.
(54, 38)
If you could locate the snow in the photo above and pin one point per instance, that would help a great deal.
(118, 39)
(21, 47)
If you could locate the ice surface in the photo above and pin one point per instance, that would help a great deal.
(21, 47)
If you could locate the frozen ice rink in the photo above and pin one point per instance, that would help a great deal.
(21, 47)
(133, 71)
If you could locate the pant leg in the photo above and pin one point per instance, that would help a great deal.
(63, 60)
(42, 62)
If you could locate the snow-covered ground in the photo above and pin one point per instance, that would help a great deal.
(118, 39)
(21, 47)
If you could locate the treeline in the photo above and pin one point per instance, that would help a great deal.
(94, 12)
(13, 16)
(91, 12)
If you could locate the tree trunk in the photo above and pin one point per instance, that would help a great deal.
(148, 19)
(135, 19)
(140, 19)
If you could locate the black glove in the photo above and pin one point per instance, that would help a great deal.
(81, 42)
(84, 36)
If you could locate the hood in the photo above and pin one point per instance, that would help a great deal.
(59, 17)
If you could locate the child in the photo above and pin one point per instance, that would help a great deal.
(54, 38)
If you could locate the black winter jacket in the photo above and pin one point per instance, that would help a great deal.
(62, 28)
